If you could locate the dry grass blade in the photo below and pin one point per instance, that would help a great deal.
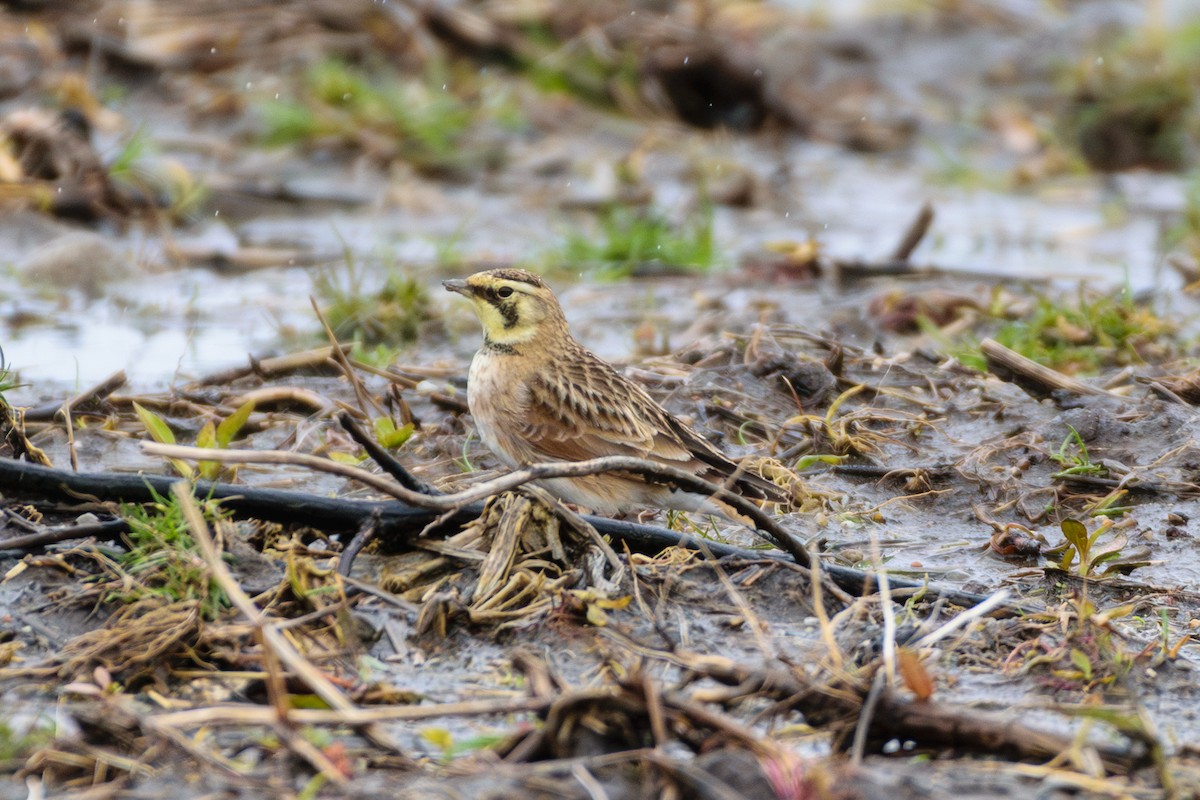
(915, 233)
(138, 637)
(765, 644)
(515, 580)
(257, 715)
(507, 530)
(510, 564)
(970, 615)
(1038, 381)
(365, 398)
(272, 639)
(1183, 389)
(837, 702)
(828, 638)
(269, 367)
(284, 395)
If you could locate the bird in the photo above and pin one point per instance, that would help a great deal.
(537, 395)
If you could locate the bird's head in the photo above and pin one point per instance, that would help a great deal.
(513, 305)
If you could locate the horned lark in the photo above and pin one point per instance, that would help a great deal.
(538, 395)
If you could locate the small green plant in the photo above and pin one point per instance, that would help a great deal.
(1080, 338)
(390, 315)
(450, 749)
(422, 121)
(312, 789)
(161, 432)
(1083, 663)
(125, 167)
(823, 459)
(138, 165)
(389, 435)
(1108, 506)
(1109, 330)
(7, 381)
(1186, 232)
(14, 443)
(1131, 102)
(219, 437)
(1083, 652)
(1082, 549)
(463, 462)
(380, 355)
(212, 435)
(163, 557)
(629, 239)
(599, 75)
(22, 734)
(1073, 457)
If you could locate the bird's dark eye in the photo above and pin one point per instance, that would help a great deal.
(505, 291)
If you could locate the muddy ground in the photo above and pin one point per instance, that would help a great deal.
(199, 170)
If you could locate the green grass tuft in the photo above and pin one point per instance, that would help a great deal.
(422, 120)
(1084, 337)
(165, 559)
(628, 240)
(1132, 101)
(389, 316)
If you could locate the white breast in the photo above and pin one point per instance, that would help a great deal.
(488, 397)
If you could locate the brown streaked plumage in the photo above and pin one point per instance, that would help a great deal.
(538, 395)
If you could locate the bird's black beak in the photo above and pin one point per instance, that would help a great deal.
(461, 287)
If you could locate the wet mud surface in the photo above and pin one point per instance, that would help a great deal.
(513, 651)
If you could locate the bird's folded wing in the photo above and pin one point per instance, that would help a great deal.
(576, 425)
(589, 410)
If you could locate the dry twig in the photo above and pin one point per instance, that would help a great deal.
(276, 647)
(1037, 381)
(639, 466)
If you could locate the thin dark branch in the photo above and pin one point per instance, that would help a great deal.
(398, 523)
(652, 471)
(915, 233)
(383, 458)
(89, 398)
(365, 534)
(104, 531)
(1131, 484)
